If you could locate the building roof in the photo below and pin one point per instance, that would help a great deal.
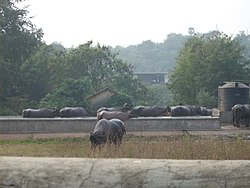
(100, 92)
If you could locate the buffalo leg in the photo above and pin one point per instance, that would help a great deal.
(234, 121)
(247, 122)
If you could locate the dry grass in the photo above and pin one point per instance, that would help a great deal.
(161, 147)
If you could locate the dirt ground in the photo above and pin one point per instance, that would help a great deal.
(226, 130)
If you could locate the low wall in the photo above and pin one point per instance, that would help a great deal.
(83, 172)
(76, 125)
(173, 123)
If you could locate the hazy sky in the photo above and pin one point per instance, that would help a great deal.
(128, 22)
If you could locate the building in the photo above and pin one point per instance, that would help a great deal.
(149, 78)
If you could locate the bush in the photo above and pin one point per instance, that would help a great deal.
(69, 93)
(5, 111)
(118, 100)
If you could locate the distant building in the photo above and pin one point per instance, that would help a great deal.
(152, 77)
(100, 98)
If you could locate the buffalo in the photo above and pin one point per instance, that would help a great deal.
(110, 131)
(119, 131)
(185, 111)
(205, 111)
(123, 116)
(40, 113)
(68, 112)
(241, 111)
(148, 111)
(125, 108)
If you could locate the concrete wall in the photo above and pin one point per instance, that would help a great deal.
(173, 123)
(76, 125)
(226, 117)
(31, 172)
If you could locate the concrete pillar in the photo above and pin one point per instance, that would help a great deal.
(84, 172)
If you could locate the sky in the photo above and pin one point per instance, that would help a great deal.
(130, 22)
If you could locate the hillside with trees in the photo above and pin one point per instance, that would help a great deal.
(153, 57)
(34, 74)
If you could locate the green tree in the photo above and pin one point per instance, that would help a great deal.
(244, 39)
(118, 100)
(18, 40)
(98, 64)
(203, 63)
(126, 84)
(103, 66)
(159, 94)
(69, 93)
(43, 71)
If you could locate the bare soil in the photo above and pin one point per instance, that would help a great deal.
(227, 130)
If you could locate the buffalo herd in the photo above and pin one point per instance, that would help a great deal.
(66, 112)
(110, 126)
(123, 113)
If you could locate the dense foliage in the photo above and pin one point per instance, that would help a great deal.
(203, 63)
(34, 74)
(18, 40)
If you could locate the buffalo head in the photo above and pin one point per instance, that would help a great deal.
(97, 139)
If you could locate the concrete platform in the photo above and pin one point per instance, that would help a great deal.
(85, 172)
(10, 125)
(226, 131)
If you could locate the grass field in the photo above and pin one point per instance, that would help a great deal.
(155, 147)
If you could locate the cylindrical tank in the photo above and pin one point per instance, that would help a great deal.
(231, 93)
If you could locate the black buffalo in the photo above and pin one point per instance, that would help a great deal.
(123, 116)
(185, 111)
(148, 111)
(119, 131)
(241, 111)
(107, 131)
(40, 113)
(125, 108)
(68, 112)
(205, 111)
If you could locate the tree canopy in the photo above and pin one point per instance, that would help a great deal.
(34, 74)
(204, 62)
(19, 38)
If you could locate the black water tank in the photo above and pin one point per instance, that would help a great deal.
(231, 93)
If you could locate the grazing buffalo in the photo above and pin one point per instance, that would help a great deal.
(68, 112)
(110, 131)
(125, 108)
(123, 116)
(120, 131)
(40, 113)
(241, 111)
(185, 111)
(147, 111)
